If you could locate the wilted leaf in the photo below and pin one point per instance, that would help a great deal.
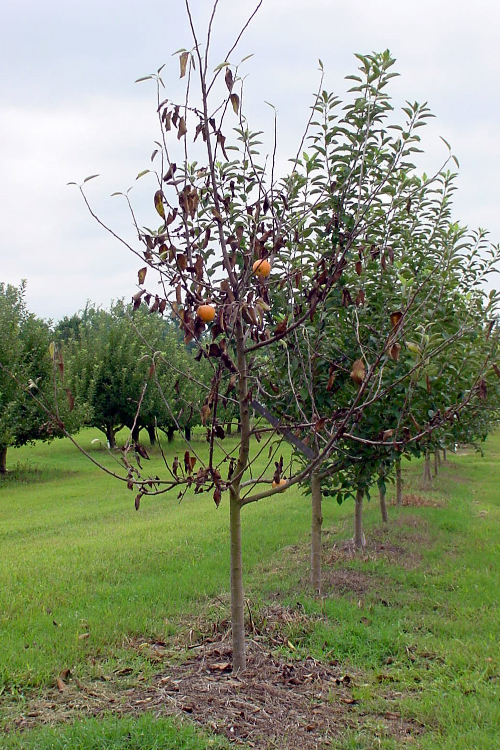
(359, 267)
(229, 79)
(496, 370)
(281, 327)
(159, 204)
(183, 59)
(137, 501)
(60, 685)
(141, 275)
(170, 172)
(52, 350)
(217, 496)
(92, 176)
(393, 351)
(182, 128)
(358, 372)
(235, 101)
(205, 413)
(396, 318)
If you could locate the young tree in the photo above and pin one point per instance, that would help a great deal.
(257, 270)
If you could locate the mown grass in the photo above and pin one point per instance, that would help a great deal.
(421, 637)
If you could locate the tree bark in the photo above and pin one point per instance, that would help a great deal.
(383, 504)
(358, 520)
(187, 432)
(135, 433)
(3, 459)
(152, 434)
(399, 484)
(444, 456)
(229, 428)
(111, 436)
(436, 462)
(237, 600)
(316, 524)
(170, 433)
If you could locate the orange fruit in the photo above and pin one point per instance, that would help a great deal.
(206, 313)
(281, 483)
(262, 268)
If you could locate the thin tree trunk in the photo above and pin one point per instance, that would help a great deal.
(229, 428)
(170, 433)
(237, 614)
(436, 462)
(3, 459)
(187, 432)
(316, 523)
(427, 476)
(399, 484)
(135, 433)
(237, 600)
(358, 520)
(444, 456)
(438, 454)
(383, 504)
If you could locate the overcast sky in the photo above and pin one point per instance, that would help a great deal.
(69, 108)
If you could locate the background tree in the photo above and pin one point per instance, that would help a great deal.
(27, 367)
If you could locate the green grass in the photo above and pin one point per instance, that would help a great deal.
(110, 733)
(421, 640)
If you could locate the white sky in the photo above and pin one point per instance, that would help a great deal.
(69, 108)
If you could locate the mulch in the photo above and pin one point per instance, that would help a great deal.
(277, 702)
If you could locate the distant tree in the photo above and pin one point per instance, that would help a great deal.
(108, 370)
(27, 367)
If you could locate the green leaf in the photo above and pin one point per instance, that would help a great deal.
(141, 174)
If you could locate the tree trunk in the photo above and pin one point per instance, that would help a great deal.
(187, 432)
(110, 436)
(3, 459)
(316, 523)
(383, 504)
(438, 454)
(358, 520)
(444, 456)
(229, 428)
(237, 600)
(436, 462)
(399, 484)
(152, 434)
(427, 476)
(238, 428)
(135, 433)
(170, 433)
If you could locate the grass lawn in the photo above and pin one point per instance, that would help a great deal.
(415, 620)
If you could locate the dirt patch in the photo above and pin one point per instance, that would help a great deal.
(349, 582)
(275, 703)
(418, 501)
(379, 544)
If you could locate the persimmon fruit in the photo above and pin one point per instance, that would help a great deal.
(262, 268)
(206, 313)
